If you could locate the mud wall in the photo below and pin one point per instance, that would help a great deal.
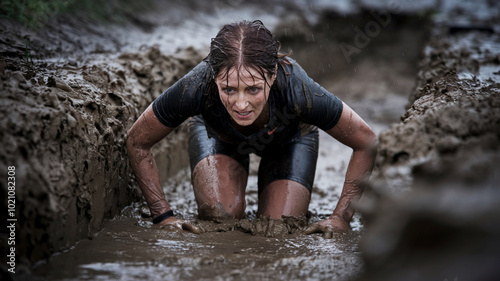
(63, 128)
(432, 208)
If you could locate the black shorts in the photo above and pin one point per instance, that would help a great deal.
(294, 160)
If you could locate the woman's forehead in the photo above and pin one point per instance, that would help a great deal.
(245, 75)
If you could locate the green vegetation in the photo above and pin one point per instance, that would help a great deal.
(34, 13)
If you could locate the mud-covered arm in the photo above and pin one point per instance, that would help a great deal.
(352, 131)
(146, 132)
(169, 110)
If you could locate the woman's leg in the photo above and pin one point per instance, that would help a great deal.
(219, 184)
(219, 174)
(284, 198)
(286, 177)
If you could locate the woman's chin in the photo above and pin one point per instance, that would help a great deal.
(243, 123)
(243, 120)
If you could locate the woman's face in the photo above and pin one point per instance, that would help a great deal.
(244, 94)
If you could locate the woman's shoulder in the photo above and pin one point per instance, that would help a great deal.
(192, 86)
(292, 70)
(201, 71)
(196, 82)
(300, 96)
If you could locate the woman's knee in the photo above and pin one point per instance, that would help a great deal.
(219, 169)
(284, 198)
(217, 210)
(219, 184)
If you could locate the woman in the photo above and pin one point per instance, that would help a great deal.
(246, 97)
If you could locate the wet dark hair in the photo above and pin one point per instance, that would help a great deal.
(245, 44)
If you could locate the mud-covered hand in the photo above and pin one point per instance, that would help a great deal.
(175, 223)
(328, 226)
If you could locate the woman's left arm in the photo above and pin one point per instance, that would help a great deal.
(352, 131)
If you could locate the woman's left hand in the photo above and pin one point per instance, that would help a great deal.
(173, 223)
(328, 226)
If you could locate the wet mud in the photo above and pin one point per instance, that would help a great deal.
(64, 124)
(223, 255)
(432, 207)
(430, 210)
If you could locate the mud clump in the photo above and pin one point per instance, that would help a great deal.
(453, 115)
(63, 128)
(453, 111)
(262, 226)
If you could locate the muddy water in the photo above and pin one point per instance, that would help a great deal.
(125, 250)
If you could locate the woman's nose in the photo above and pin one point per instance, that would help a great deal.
(241, 102)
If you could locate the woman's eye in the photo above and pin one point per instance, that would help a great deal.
(254, 90)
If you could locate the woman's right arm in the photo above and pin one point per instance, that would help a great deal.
(146, 132)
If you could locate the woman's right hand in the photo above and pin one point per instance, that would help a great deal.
(329, 226)
(178, 224)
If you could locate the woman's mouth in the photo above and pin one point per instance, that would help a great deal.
(243, 114)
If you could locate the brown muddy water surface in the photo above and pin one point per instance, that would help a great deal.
(125, 250)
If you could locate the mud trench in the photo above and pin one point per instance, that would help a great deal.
(375, 84)
(100, 228)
